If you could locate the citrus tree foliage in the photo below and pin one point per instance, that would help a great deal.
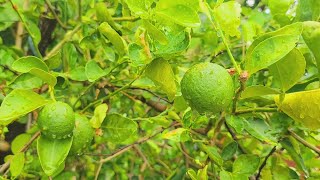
(116, 68)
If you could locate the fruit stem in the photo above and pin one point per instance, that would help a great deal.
(51, 91)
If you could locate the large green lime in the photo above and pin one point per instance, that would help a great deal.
(56, 120)
(207, 87)
(82, 135)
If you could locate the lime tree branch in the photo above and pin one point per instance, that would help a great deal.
(23, 149)
(51, 8)
(66, 38)
(264, 163)
(304, 142)
(113, 93)
(27, 27)
(254, 110)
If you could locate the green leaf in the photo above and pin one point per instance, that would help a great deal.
(228, 16)
(26, 63)
(26, 81)
(229, 150)
(258, 90)
(308, 10)
(177, 135)
(270, 51)
(295, 28)
(103, 14)
(54, 61)
(52, 153)
(213, 154)
(164, 4)
(177, 43)
(115, 39)
(93, 71)
(19, 141)
(78, 74)
(161, 73)
(283, 76)
(18, 103)
(17, 164)
(246, 164)
(285, 143)
(45, 76)
(202, 173)
(236, 122)
(137, 55)
(302, 107)
(155, 32)
(311, 36)
(258, 129)
(139, 7)
(180, 14)
(192, 174)
(100, 113)
(117, 128)
(279, 7)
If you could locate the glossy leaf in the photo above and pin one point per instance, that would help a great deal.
(270, 51)
(177, 43)
(18, 103)
(115, 39)
(160, 72)
(311, 36)
(45, 76)
(26, 81)
(99, 115)
(103, 14)
(249, 161)
(282, 71)
(17, 164)
(236, 122)
(19, 142)
(164, 4)
(181, 14)
(279, 7)
(93, 71)
(54, 61)
(303, 107)
(258, 90)
(117, 128)
(228, 16)
(139, 7)
(52, 153)
(25, 64)
(295, 28)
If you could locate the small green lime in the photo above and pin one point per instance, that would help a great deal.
(82, 135)
(56, 120)
(207, 87)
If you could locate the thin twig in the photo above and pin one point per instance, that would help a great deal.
(237, 96)
(264, 163)
(254, 110)
(98, 171)
(304, 142)
(23, 149)
(234, 137)
(51, 8)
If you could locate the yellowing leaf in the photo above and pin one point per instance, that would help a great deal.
(303, 107)
(160, 72)
(100, 113)
(228, 16)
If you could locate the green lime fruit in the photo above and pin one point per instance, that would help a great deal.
(207, 87)
(56, 120)
(82, 135)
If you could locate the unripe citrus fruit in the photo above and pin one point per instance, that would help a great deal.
(207, 87)
(56, 120)
(82, 134)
